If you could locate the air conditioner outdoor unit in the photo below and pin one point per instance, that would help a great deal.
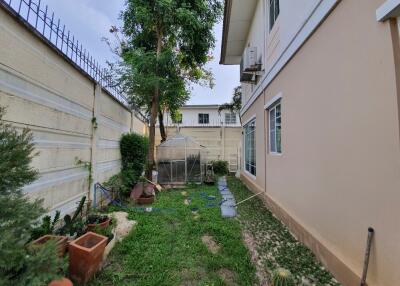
(250, 62)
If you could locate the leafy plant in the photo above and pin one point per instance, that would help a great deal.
(106, 231)
(74, 225)
(164, 46)
(18, 214)
(220, 167)
(96, 218)
(44, 265)
(88, 166)
(282, 277)
(236, 104)
(115, 185)
(133, 149)
(47, 226)
(94, 122)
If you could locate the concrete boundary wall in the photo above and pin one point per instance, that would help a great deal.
(70, 116)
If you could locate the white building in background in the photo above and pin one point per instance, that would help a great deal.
(219, 132)
(204, 116)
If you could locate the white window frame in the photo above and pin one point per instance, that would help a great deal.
(273, 129)
(251, 120)
(230, 118)
(273, 4)
(271, 104)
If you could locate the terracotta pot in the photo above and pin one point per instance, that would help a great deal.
(85, 256)
(62, 282)
(93, 226)
(139, 191)
(61, 242)
(145, 200)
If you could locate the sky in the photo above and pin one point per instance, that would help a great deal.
(90, 20)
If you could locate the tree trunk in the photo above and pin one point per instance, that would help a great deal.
(153, 115)
(163, 133)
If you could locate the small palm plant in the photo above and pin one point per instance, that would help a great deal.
(282, 277)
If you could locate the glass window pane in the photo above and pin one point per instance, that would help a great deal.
(276, 9)
(272, 119)
(272, 141)
(278, 140)
(249, 141)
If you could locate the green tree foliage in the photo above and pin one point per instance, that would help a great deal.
(18, 214)
(236, 104)
(220, 167)
(134, 150)
(165, 47)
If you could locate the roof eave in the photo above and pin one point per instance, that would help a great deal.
(225, 29)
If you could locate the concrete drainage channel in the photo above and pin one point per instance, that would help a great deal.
(228, 204)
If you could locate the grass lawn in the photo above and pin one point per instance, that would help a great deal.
(166, 247)
(274, 245)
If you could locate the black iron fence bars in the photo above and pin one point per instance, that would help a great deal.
(42, 22)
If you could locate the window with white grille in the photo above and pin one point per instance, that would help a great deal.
(275, 128)
(204, 118)
(230, 118)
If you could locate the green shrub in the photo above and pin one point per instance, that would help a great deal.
(134, 150)
(20, 265)
(220, 167)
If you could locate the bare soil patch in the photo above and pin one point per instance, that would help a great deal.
(261, 274)
(209, 241)
(227, 276)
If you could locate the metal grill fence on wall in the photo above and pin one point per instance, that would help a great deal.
(40, 20)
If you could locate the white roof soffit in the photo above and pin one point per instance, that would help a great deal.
(389, 9)
(238, 17)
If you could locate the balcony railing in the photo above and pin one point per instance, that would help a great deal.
(195, 123)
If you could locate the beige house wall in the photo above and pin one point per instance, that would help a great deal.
(222, 143)
(44, 92)
(339, 172)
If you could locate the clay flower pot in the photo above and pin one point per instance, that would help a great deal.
(86, 256)
(103, 224)
(143, 193)
(61, 242)
(145, 200)
(62, 282)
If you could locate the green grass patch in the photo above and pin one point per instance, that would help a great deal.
(166, 247)
(275, 245)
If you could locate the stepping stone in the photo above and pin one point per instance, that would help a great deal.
(228, 197)
(225, 193)
(228, 211)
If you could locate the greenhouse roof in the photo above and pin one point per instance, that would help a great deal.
(181, 141)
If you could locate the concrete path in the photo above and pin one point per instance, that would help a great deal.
(228, 208)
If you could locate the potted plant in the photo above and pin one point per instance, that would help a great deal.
(86, 256)
(143, 193)
(45, 231)
(61, 242)
(106, 231)
(97, 221)
(61, 282)
(74, 225)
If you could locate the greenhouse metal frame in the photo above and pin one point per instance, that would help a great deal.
(181, 159)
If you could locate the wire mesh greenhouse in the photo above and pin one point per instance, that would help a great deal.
(180, 159)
